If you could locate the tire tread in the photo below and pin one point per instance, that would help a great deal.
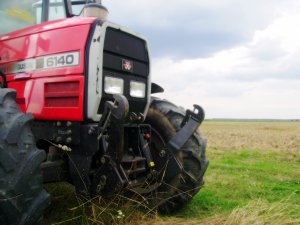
(22, 198)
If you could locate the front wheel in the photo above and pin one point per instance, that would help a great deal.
(22, 197)
(165, 119)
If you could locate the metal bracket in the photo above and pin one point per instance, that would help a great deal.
(190, 124)
(110, 179)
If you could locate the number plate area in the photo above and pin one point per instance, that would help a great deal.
(44, 62)
(60, 60)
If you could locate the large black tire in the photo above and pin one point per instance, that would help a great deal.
(165, 119)
(22, 197)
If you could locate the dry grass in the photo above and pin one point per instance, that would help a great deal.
(257, 212)
(260, 212)
(265, 135)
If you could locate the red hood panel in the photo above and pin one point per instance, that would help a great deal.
(45, 39)
(51, 25)
(60, 38)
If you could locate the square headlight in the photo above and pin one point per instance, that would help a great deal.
(137, 89)
(113, 85)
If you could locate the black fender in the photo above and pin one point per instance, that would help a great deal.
(155, 88)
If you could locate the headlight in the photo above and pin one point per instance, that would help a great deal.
(113, 85)
(137, 89)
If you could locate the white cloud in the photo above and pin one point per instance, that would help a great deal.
(260, 79)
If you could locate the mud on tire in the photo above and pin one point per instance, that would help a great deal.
(22, 198)
(165, 119)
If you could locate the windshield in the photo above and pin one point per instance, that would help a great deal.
(16, 14)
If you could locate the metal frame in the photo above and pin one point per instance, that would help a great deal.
(45, 10)
(46, 5)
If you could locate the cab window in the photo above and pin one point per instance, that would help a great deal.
(15, 15)
(56, 10)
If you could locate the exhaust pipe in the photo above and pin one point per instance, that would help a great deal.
(95, 9)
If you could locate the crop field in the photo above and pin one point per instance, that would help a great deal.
(253, 178)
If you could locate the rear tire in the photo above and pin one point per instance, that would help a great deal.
(165, 119)
(22, 197)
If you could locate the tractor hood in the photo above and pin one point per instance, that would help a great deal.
(45, 64)
(51, 25)
(35, 40)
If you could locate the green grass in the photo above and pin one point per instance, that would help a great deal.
(250, 180)
(235, 178)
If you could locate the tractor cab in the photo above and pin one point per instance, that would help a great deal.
(22, 14)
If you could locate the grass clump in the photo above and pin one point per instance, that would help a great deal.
(66, 208)
(261, 212)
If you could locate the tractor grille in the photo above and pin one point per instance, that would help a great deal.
(120, 46)
(123, 44)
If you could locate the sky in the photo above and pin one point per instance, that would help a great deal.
(235, 58)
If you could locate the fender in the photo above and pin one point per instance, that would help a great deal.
(155, 88)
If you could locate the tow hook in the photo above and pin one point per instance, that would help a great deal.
(189, 125)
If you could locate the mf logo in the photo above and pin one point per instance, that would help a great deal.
(127, 65)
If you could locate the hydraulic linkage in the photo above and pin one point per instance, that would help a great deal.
(111, 177)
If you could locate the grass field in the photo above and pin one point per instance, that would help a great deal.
(253, 178)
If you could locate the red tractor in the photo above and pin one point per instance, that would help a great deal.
(76, 106)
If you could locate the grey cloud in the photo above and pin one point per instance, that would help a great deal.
(186, 44)
(192, 29)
